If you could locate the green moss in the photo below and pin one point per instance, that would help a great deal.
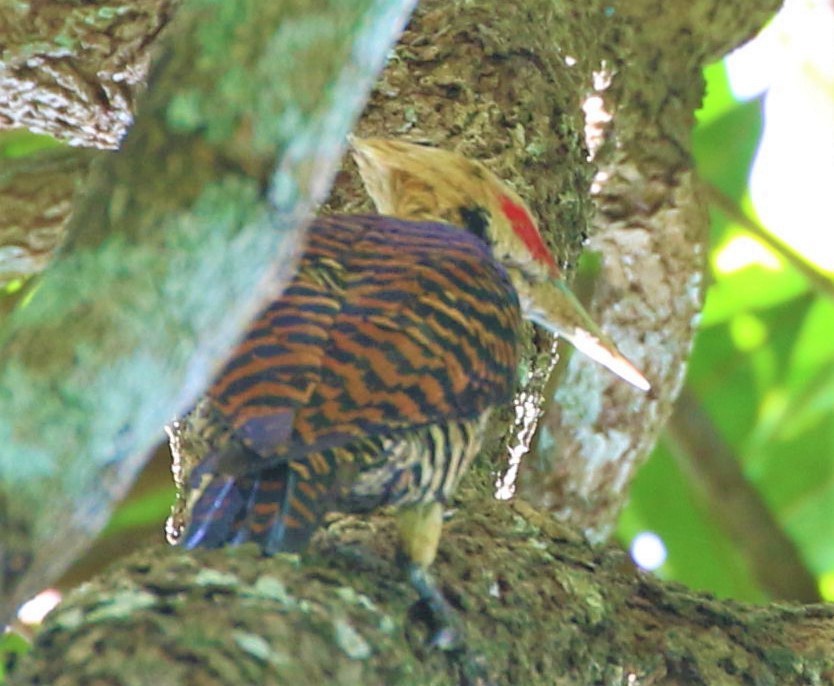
(122, 604)
(211, 578)
(350, 640)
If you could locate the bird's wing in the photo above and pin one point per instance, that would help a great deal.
(388, 325)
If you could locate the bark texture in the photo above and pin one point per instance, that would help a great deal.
(176, 242)
(36, 195)
(541, 608)
(72, 69)
(650, 230)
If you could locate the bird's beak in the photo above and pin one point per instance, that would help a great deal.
(552, 305)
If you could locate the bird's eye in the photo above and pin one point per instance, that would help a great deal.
(475, 220)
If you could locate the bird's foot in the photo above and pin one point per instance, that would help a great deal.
(447, 631)
(447, 628)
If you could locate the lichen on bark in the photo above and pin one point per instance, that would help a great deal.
(175, 243)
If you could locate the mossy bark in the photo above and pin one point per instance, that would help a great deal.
(541, 607)
(36, 193)
(176, 241)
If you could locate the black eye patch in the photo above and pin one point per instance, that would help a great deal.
(475, 220)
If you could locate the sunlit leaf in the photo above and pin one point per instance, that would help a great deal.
(814, 346)
(19, 143)
(719, 97)
(750, 289)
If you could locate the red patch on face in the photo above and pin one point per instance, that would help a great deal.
(526, 230)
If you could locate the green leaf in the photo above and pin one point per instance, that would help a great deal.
(12, 647)
(19, 143)
(719, 98)
(750, 289)
(727, 135)
(152, 508)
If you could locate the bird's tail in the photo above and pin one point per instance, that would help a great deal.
(278, 508)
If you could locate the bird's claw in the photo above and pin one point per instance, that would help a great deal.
(448, 633)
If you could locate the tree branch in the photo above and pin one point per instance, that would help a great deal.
(713, 468)
(178, 239)
(541, 607)
(35, 202)
(650, 229)
(72, 70)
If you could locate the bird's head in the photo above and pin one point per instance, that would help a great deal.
(420, 183)
(416, 182)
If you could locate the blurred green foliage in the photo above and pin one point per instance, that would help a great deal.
(12, 647)
(19, 143)
(763, 368)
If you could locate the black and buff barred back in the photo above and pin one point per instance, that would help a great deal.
(367, 383)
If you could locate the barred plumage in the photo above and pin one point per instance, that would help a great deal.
(367, 383)
(371, 380)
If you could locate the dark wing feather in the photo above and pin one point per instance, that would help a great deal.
(388, 325)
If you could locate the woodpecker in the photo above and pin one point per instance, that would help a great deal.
(422, 183)
(368, 382)
(371, 380)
